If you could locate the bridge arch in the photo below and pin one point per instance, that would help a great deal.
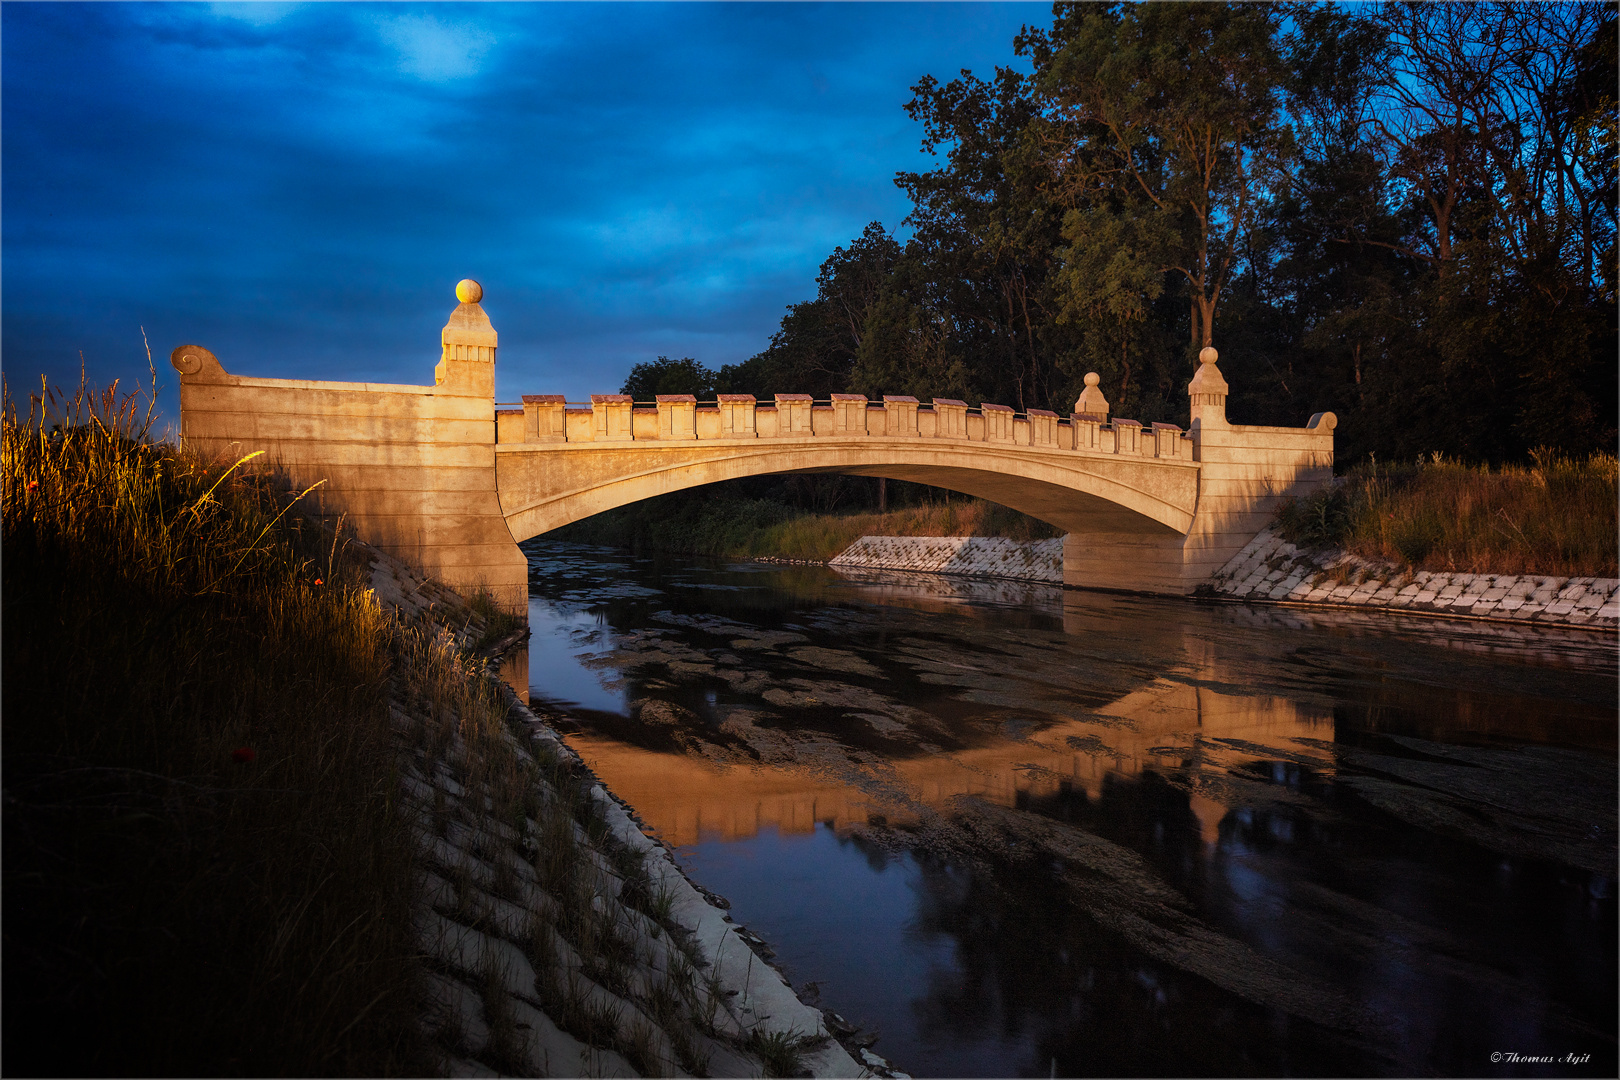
(546, 487)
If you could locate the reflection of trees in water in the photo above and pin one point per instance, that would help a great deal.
(1034, 969)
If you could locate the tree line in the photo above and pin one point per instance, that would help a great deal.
(1402, 212)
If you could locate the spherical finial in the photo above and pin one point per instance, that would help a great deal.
(469, 291)
(1208, 355)
(1092, 378)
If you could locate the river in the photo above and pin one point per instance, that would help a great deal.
(1013, 830)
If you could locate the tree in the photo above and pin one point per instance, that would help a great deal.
(983, 243)
(666, 376)
(1160, 129)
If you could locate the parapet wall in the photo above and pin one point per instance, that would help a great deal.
(411, 468)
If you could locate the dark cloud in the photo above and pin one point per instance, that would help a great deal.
(299, 187)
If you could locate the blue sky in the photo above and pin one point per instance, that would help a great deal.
(299, 187)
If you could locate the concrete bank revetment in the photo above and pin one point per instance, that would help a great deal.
(1269, 570)
(618, 966)
(1272, 570)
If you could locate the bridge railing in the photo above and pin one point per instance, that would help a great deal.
(618, 418)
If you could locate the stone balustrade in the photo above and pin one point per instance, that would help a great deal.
(615, 418)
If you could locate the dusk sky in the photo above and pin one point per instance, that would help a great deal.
(299, 187)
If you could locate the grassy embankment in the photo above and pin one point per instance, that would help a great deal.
(205, 872)
(209, 870)
(1553, 517)
(754, 528)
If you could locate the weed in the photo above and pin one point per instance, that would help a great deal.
(780, 1052)
(209, 860)
(1557, 516)
(506, 1051)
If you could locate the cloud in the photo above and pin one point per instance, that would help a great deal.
(257, 12)
(434, 50)
(301, 193)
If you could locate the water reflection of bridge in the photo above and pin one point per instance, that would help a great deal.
(1165, 725)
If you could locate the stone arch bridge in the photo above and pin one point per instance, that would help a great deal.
(450, 481)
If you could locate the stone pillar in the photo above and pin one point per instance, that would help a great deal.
(901, 413)
(950, 418)
(467, 361)
(998, 422)
(737, 416)
(1087, 431)
(543, 419)
(1091, 401)
(849, 414)
(793, 414)
(677, 416)
(611, 417)
(1043, 428)
(1167, 441)
(1127, 436)
(1207, 393)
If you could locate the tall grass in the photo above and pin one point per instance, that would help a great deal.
(204, 869)
(752, 528)
(1555, 516)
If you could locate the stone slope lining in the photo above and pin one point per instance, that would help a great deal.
(971, 556)
(481, 905)
(1270, 569)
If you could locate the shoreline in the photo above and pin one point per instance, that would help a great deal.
(1273, 572)
(695, 992)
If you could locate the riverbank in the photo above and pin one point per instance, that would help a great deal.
(1270, 570)
(267, 811)
(562, 939)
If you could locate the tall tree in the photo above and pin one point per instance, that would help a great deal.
(984, 236)
(1160, 129)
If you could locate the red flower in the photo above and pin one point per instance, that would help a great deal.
(32, 484)
(244, 754)
(318, 581)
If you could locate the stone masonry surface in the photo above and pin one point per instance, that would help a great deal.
(1271, 570)
(513, 988)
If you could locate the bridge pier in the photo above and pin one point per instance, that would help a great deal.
(443, 478)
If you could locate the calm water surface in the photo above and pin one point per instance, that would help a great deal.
(1017, 831)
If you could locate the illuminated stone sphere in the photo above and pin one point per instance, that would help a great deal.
(469, 291)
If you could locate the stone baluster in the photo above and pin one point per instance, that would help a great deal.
(901, 414)
(793, 414)
(849, 414)
(677, 416)
(950, 418)
(737, 416)
(998, 422)
(543, 419)
(467, 361)
(611, 418)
